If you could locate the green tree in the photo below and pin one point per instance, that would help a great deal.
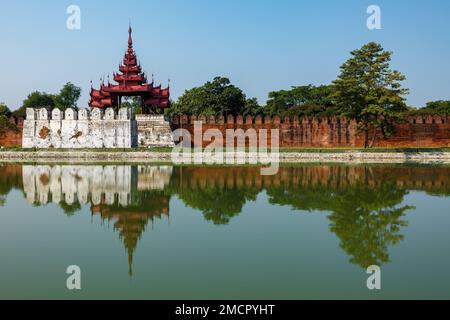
(35, 100)
(68, 96)
(369, 91)
(135, 103)
(5, 124)
(216, 97)
(252, 108)
(4, 110)
(311, 110)
(440, 107)
(314, 98)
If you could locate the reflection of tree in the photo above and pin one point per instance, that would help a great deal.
(364, 201)
(366, 235)
(365, 217)
(70, 209)
(368, 221)
(218, 205)
(213, 191)
(10, 178)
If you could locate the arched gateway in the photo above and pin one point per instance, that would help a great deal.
(132, 82)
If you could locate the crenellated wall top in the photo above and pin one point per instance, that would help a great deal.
(82, 114)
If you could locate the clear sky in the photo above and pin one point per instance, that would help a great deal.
(261, 45)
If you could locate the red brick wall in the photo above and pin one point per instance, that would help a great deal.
(12, 138)
(430, 131)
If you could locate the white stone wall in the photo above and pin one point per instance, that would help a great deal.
(154, 131)
(91, 184)
(94, 129)
(74, 130)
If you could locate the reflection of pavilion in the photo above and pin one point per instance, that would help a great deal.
(129, 196)
(132, 221)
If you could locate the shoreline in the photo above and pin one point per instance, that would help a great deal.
(284, 157)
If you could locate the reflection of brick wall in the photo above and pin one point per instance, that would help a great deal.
(12, 138)
(333, 177)
(429, 131)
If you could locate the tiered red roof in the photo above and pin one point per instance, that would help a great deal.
(131, 82)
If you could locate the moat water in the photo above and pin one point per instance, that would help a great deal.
(163, 232)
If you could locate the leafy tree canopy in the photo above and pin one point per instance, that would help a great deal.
(310, 110)
(5, 124)
(440, 107)
(135, 103)
(35, 100)
(252, 108)
(216, 97)
(369, 91)
(68, 96)
(313, 98)
(4, 110)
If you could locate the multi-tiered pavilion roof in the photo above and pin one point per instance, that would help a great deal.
(131, 82)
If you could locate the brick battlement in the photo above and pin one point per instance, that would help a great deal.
(419, 131)
(97, 129)
(276, 120)
(12, 138)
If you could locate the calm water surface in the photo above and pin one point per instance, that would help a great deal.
(163, 232)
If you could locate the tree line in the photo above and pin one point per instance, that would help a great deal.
(367, 89)
(67, 97)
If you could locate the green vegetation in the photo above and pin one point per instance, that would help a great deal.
(5, 124)
(370, 92)
(440, 107)
(367, 89)
(216, 97)
(66, 98)
(301, 101)
(70, 209)
(135, 103)
(35, 100)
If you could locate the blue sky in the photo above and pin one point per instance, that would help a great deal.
(261, 45)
